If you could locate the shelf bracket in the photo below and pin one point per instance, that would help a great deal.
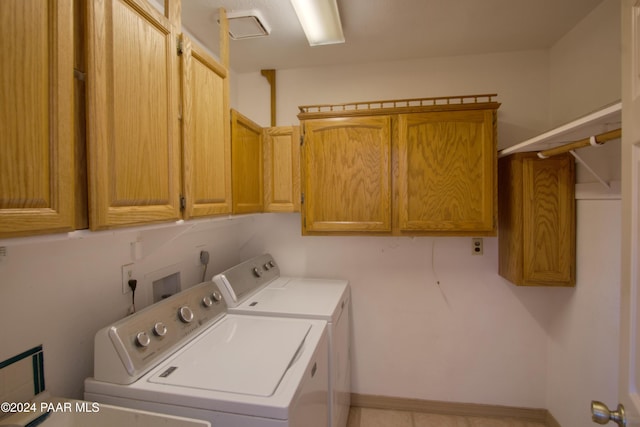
(590, 169)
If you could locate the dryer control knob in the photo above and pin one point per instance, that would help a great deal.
(267, 266)
(257, 272)
(272, 264)
(142, 339)
(216, 296)
(160, 329)
(207, 301)
(185, 314)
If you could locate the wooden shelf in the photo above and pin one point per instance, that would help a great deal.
(603, 120)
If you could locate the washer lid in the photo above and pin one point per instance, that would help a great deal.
(299, 297)
(242, 354)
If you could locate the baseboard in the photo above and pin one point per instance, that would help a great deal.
(453, 408)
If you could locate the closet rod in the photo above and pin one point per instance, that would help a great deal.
(594, 140)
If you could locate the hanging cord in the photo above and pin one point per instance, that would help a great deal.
(204, 260)
(133, 284)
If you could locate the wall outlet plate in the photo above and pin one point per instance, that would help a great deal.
(477, 246)
(128, 272)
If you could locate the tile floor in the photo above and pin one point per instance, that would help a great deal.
(367, 417)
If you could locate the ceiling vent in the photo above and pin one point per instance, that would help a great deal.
(247, 25)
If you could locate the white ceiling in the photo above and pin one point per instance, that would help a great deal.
(383, 30)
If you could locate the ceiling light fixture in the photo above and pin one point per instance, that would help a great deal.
(320, 21)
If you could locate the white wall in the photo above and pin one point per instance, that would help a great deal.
(585, 65)
(472, 338)
(58, 293)
(584, 335)
(520, 79)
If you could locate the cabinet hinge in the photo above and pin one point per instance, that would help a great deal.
(302, 198)
(183, 203)
(179, 49)
(301, 140)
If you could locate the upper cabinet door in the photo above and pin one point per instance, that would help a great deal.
(36, 117)
(132, 121)
(447, 172)
(282, 169)
(548, 221)
(347, 175)
(247, 164)
(206, 134)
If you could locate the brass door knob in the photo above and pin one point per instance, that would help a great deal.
(601, 414)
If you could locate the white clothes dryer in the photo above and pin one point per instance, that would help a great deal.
(255, 287)
(187, 356)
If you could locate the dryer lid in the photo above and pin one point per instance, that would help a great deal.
(241, 354)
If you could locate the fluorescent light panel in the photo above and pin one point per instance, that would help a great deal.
(320, 21)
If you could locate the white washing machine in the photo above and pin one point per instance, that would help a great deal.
(255, 287)
(187, 356)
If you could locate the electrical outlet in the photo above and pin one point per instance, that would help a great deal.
(128, 273)
(476, 246)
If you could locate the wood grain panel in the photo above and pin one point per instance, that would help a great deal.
(206, 149)
(548, 221)
(537, 220)
(282, 169)
(446, 173)
(134, 145)
(36, 117)
(510, 240)
(347, 175)
(247, 164)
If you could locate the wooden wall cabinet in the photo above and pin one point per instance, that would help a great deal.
(247, 164)
(537, 229)
(281, 146)
(266, 166)
(447, 172)
(37, 192)
(205, 134)
(425, 167)
(117, 145)
(133, 126)
(346, 175)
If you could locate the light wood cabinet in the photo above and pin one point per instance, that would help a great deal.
(405, 167)
(36, 117)
(247, 164)
(346, 178)
(537, 220)
(281, 169)
(447, 172)
(205, 136)
(133, 127)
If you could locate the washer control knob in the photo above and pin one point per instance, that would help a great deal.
(185, 314)
(160, 329)
(207, 301)
(142, 339)
(272, 264)
(216, 296)
(267, 266)
(257, 272)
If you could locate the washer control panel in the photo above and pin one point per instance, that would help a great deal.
(143, 339)
(247, 277)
